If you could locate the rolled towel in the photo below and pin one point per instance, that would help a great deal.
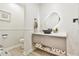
(38, 45)
(47, 49)
(57, 50)
(53, 49)
(62, 52)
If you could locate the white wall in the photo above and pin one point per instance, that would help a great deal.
(15, 27)
(17, 16)
(31, 12)
(67, 13)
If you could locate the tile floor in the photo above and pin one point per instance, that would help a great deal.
(19, 52)
(16, 51)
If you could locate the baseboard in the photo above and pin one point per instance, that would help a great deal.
(27, 53)
(14, 46)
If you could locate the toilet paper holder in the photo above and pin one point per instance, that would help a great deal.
(4, 36)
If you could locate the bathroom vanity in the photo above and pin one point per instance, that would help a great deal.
(54, 43)
(50, 39)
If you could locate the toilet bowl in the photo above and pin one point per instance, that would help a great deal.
(21, 42)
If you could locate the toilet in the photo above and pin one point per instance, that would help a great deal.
(21, 43)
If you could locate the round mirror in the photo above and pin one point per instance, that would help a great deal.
(52, 20)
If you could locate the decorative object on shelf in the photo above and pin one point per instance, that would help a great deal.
(5, 16)
(55, 30)
(35, 24)
(48, 31)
